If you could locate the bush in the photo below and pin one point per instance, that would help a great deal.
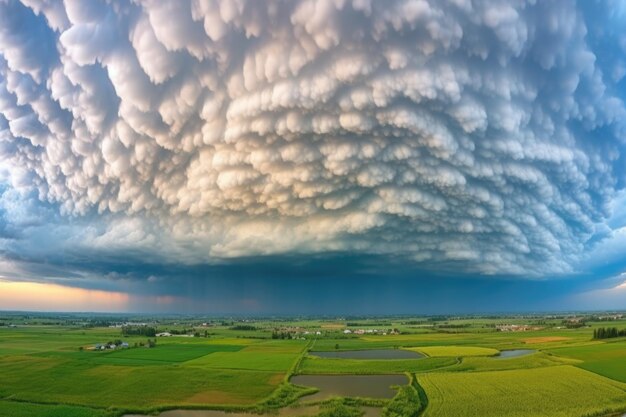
(339, 409)
(406, 403)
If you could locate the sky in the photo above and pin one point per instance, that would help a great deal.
(312, 156)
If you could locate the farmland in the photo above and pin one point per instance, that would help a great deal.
(528, 392)
(455, 351)
(608, 358)
(91, 366)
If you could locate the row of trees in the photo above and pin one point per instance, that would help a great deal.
(139, 331)
(281, 335)
(608, 333)
(243, 327)
(184, 331)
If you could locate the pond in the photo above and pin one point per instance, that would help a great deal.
(371, 386)
(505, 354)
(369, 354)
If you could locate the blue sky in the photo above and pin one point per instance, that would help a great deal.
(404, 156)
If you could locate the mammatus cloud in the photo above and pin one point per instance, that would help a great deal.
(475, 136)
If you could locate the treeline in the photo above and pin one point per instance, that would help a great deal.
(370, 324)
(138, 331)
(569, 324)
(453, 326)
(243, 327)
(608, 333)
(414, 322)
(281, 335)
(185, 331)
(90, 324)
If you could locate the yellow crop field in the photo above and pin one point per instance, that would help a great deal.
(558, 391)
(445, 351)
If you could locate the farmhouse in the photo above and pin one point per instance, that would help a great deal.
(515, 328)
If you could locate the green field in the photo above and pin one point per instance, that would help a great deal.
(536, 360)
(47, 367)
(608, 359)
(81, 382)
(172, 352)
(262, 361)
(20, 409)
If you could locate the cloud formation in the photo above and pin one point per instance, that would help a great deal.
(467, 136)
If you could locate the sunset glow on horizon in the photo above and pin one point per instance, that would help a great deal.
(33, 296)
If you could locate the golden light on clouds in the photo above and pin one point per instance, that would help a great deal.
(51, 297)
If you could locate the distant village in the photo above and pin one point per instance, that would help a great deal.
(110, 346)
(372, 331)
(516, 327)
(349, 329)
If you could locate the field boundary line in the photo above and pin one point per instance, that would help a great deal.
(294, 368)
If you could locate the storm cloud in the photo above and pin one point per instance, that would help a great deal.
(482, 137)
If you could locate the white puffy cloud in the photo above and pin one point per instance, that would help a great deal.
(472, 136)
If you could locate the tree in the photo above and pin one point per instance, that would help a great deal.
(608, 333)
(138, 331)
(336, 346)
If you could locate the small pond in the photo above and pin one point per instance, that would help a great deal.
(369, 354)
(505, 354)
(372, 386)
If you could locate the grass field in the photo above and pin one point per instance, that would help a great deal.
(20, 409)
(561, 391)
(83, 383)
(45, 366)
(170, 352)
(608, 359)
(536, 360)
(260, 361)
